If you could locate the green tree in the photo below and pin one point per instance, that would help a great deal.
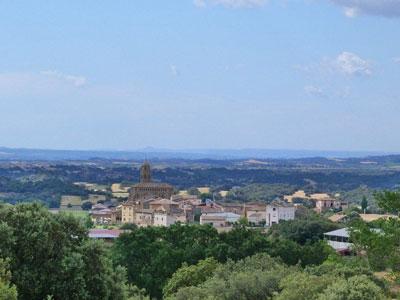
(50, 255)
(359, 287)
(190, 276)
(303, 286)
(388, 201)
(86, 205)
(255, 277)
(8, 291)
(303, 230)
(364, 204)
(151, 255)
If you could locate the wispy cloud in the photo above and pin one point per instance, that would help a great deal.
(75, 80)
(352, 64)
(314, 90)
(385, 8)
(231, 3)
(174, 70)
(39, 83)
(345, 63)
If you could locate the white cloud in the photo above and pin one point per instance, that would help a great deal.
(77, 81)
(231, 3)
(200, 3)
(351, 64)
(39, 83)
(346, 63)
(386, 8)
(314, 91)
(174, 70)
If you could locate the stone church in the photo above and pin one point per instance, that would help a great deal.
(141, 193)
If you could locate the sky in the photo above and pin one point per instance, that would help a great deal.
(184, 74)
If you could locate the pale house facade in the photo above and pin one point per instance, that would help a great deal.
(163, 219)
(277, 211)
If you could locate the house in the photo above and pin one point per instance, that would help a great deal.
(214, 220)
(165, 205)
(163, 219)
(339, 240)
(144, 217)
(277, 211)
(101, 214)
(219, 219)
(256, 216)
(236, 208)
(325, 202)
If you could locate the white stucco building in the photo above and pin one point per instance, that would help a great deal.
(163, 219)
(277, 211)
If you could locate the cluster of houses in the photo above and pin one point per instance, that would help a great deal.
(155, 204)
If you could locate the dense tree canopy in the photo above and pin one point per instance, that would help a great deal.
(311, 228)
(8, 291)
(50, 255)
(380, 241)
(263, 277)
(151, 255)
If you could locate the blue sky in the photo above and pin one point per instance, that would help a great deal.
(299, 74)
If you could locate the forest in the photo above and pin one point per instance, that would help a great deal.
(49, 256)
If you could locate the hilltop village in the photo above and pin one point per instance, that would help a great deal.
(151, 203)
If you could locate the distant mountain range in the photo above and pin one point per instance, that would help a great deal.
(192, 154)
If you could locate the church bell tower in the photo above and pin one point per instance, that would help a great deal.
(145, 173)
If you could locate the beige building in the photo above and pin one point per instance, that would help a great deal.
(325, 202)
(256, 216)
(215, 221)
(164, 205)
(144, 217)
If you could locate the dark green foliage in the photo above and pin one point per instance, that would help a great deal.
(47, 190)
(151, 255)
(381, 244)
(262, 277)
(8, 291)
(190, 276)
(254, 277)
(389, 201)
(260, 192)
(293, 253)
(364, 204)
(355, 288)
(86, 205)
(303, 230)
(51, 255)
(380, 240)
